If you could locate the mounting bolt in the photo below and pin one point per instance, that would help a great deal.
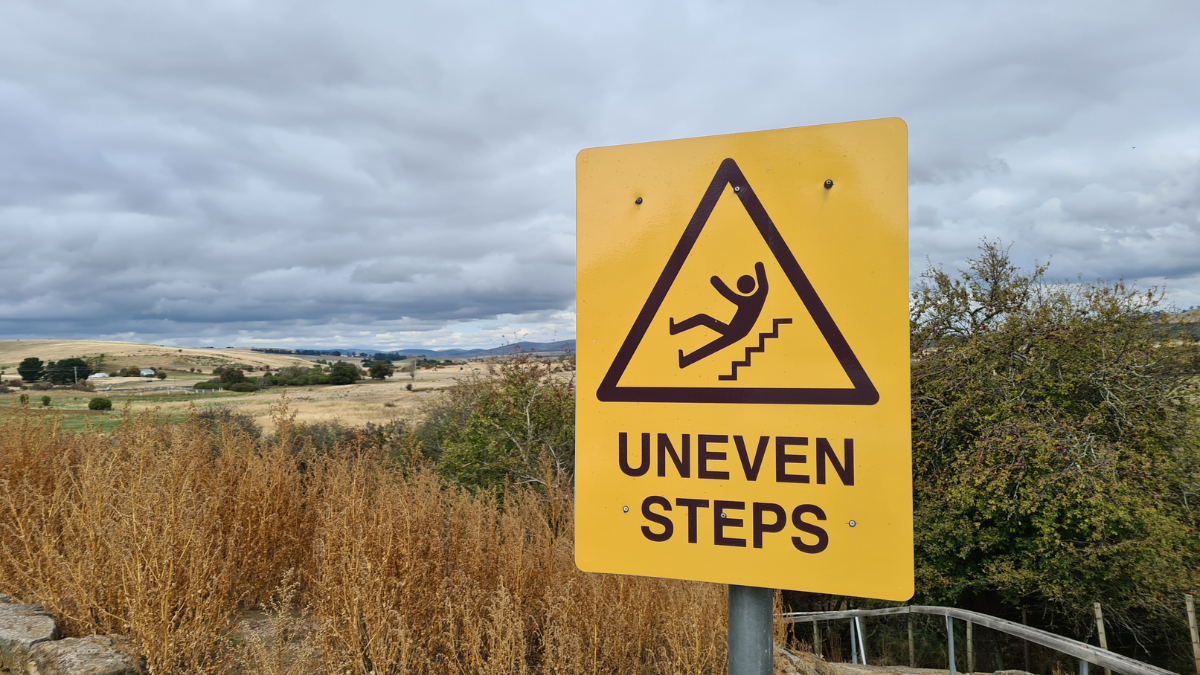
(638, 200)
(737, 188)
(828, 183)
(722, 515)
(853, 523)
(625, 509)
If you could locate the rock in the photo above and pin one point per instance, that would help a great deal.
(22, 627)
(95, 655)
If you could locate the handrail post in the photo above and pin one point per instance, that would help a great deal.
(862, 640)
(1191, 612)
(1100, 630)
(1083, 667)
(1024, 622)
(970, 647)
(816, 639)
(853, 644)
(912, 652)
(950, 642)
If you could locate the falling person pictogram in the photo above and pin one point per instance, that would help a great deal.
(749, 298)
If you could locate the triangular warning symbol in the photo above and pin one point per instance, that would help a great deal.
(862, 392)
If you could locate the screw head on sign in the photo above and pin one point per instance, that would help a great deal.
(722, 514)
(625, 509)
(828, 183)
(853, 523)
(737, 188)
(638, 200)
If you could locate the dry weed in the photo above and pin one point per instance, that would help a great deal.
(166, 534)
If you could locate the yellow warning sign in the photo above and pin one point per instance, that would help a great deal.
(743, 411)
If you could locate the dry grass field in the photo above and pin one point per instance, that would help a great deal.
(169, 533)
(351, 405)
(121, 354)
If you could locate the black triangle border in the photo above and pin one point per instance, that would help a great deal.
(863, 393)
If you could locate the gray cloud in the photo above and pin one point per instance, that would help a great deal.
(385, 173)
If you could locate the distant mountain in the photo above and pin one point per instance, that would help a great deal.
(558, 347)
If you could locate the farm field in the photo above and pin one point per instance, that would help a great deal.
(352, 405)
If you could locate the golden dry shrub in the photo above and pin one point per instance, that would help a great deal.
(167, 533)
(157, 532)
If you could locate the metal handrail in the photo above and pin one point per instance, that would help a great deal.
(1081, 650)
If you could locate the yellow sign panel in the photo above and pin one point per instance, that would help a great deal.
(743, 361)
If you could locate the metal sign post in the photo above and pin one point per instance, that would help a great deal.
(751, 651)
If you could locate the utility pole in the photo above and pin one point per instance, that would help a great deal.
(76, 369)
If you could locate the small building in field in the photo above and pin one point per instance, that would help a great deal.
(147, 372)
(96, 376)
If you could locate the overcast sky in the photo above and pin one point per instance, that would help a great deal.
(384, 174)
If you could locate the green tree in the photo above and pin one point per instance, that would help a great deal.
(504, 425)
(1054, 446)
(131, 371)
(31, 369)
(68, 371)
(381, 370)
(343, 372)
(232, 375)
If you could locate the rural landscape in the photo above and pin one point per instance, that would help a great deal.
(424, 524)
(831, 337)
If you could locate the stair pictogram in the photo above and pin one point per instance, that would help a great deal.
(861, 390)
(756, 349)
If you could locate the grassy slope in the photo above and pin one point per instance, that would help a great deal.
(121, 354)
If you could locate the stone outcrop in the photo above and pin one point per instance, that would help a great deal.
(94, 655)
(30, 645)
(22, 627)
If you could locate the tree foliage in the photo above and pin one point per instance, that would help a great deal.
(1054, 446)
(232, 375)
(68, 371)
(381, 370)
(343, 372)
(504, 425)
(31, 369)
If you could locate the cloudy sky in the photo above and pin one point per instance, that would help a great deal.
(383, 174)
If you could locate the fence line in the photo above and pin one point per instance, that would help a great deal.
(1081, 650)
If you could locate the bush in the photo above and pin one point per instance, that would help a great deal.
(225, 422)
(343, 372)
(162, 374)
(24, 399)
(45, 401)
(232, 376)
(243, 387)
(499, 426)
(100, 403)
(1054, 446)
(131, 371)
(211, 384)
(401, 572)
